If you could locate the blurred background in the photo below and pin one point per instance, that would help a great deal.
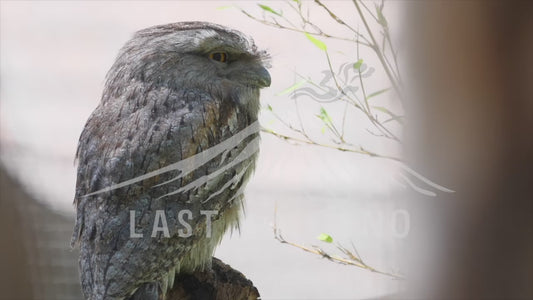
(54, 58)
(468, 117)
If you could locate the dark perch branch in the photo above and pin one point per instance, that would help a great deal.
(221, 282)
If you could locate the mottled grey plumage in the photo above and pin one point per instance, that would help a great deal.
(164, 100)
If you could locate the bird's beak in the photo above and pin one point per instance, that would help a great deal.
(257, 77)
(262, 77)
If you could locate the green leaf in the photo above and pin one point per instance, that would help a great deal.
(224, 7)
(269, 107)
(381, 18)
(324, 116)
(325, 238)
(358, 64)
(270, 10)
(383, 109)
(374, 94)
(292, 88)
(321, 45)
(394, 116)
(398, 119)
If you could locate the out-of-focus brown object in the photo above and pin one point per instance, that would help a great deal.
(471, 129)
(14, 269)
(36, 261)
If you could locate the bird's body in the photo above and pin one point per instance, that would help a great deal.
(162, 142)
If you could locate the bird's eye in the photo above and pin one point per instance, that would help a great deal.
(219, 56)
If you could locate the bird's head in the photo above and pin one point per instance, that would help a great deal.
(193, 55)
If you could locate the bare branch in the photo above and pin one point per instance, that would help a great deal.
(351, 258)
(321, 33)
(375, 46)
(340, 21)
(361, 150)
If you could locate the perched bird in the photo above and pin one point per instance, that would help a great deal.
(164, 158)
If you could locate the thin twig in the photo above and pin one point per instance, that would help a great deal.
(369, 12)
(384, 130)
(375, 46)
(322, 34)
(361, 150)
(340, 21)
(352, 259)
